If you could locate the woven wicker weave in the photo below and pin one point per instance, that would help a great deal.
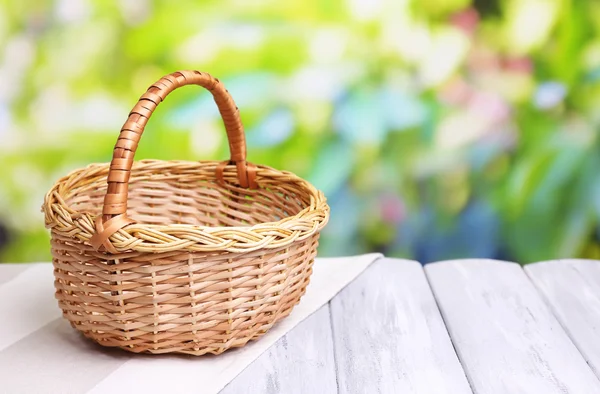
(174, 256)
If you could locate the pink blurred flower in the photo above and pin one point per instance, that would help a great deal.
(392, 208)
(490, 105)
(520, 64)
(466, 20)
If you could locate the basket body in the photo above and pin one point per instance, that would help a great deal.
(192, 303)
(184, 257)
(183, 299)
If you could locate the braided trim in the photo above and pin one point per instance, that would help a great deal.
(153, 238)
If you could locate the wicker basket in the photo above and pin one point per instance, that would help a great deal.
(175, 256)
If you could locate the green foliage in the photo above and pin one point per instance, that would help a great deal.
(437, 129)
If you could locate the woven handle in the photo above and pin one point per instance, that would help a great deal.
(114, 211)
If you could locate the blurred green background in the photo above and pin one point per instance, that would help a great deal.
(437, 128)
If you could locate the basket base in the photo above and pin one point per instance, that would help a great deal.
(190, 303)
(190, 348)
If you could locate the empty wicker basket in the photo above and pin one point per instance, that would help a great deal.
(174, 256)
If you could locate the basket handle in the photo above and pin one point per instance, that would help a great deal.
(114, 212)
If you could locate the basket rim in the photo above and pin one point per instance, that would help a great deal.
(155, 238)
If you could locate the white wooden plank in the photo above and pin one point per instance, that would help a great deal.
(300, 362)
(389, 336)
(506, 337)
(572, 289)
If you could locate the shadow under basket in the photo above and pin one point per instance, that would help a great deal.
(185, 257)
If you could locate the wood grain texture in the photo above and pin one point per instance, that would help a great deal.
(389, 336)
(300, 362)
(506, 337)
(572, 290)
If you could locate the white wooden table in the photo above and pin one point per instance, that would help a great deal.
(465, 326)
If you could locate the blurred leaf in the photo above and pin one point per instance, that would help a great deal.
(361, 117)
(332, 167)
(273, 130)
